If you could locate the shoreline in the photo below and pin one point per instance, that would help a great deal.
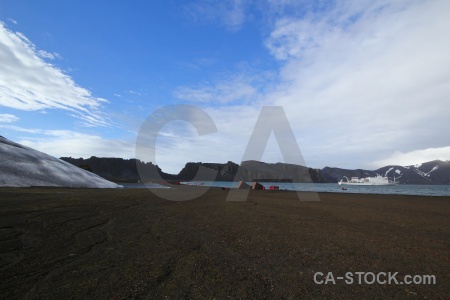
(442, 190)
(126, 243)
(224, 189)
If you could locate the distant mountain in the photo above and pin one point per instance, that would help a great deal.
(125, 170)
(114, 169)
(260, 171)
(249, 171)
(225, 172)
(432, 172)
(22, 166)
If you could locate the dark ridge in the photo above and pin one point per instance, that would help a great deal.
(125, 170)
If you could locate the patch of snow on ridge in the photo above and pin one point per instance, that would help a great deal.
(388, 171)
(398, 171)
(434, 169)
(420, 173)
(417, 166)
(22, 166)
(425, 174)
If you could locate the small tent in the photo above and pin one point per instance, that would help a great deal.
(257, 186)
(242, 185)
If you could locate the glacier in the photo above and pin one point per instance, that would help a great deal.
(21, 166)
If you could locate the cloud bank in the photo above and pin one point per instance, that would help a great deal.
(415, 157)
(361, 82)
(29, 83)
(367, 79)
(75, 144)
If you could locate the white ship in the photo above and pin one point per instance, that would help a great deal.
(378, 180)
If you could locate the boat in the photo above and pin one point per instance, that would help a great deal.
(377, 180)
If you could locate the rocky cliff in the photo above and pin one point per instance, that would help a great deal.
(260, 171)
(114, 169)
(125, 170)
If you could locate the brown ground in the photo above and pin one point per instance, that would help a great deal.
(101, 244)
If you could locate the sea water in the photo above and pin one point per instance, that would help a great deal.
(401, 189)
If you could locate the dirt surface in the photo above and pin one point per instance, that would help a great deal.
(128, 243)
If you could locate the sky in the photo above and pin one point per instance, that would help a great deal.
(363, 84)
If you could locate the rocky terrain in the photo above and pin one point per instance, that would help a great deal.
(130, 244)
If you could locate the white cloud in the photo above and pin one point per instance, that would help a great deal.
(29, 83)
(179, 142)
(60, 143)
(359, 81)
(365, 79)
(21, 129)
(48, 55)
(8, 118)
(229, 13)
(244, 87)
(12, 21)
(134, 93)
(414, 157)
(345, 24)
(238, 89)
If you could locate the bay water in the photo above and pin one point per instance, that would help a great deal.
(401, 189)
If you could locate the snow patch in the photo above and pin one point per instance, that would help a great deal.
(423, 174)
(398, 171)
(426, 174)
(434, 169)
(417, 166)
(388, 171)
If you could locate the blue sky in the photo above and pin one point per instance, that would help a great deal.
(363, 83)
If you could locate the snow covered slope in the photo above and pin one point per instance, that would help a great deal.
(21, 166)
(432, 172)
